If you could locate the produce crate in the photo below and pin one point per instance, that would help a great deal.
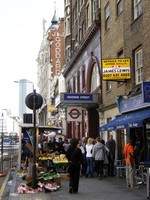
(64, 176)
(58, 181)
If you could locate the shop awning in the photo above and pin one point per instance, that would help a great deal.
(130, 120)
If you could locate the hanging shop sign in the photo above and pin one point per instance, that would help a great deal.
(74, 114)
(52, 108)
(116, 69)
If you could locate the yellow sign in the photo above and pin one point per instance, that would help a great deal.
(52, 108)
(116, 69)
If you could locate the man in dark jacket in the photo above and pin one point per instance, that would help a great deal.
(111, 145)
(75, 159)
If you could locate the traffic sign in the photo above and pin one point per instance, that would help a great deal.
(74, 114)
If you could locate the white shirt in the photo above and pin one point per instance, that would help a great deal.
(89, 149)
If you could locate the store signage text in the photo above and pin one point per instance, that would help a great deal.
(132, 104)
(78, 97)
(146, 92)
(116, 69)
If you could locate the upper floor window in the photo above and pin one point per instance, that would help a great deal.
(83, 78)
(138, 66)
(95, 78)
(108, 86)
(67, 25)
(107, 17)
(83, 28)
(74, 84)
(120, 54)
(78, 82)
(137, 8)
(67, 2)
(87, 16)
(93, 10)
(119, 7)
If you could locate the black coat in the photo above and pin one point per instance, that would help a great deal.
(74, 155)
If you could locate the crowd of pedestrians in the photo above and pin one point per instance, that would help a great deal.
(90, 156)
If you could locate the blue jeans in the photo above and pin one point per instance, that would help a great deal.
(89, 170)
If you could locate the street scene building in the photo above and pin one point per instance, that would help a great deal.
(94, 78)
(96, 33)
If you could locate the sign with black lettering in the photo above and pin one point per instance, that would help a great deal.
(116, 69)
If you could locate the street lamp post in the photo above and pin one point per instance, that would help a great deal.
(2, 136)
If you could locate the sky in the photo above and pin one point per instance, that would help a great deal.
(21, 33)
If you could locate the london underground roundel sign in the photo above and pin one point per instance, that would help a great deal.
(74, 114)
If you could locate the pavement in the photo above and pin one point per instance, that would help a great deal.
(89, 188)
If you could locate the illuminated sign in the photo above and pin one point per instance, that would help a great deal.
(116, 69)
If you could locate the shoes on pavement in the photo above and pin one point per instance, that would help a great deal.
(86, 175)
(70, 190)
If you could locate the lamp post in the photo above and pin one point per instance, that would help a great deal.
(2, 135)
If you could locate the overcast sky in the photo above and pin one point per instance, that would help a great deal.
(21, 32)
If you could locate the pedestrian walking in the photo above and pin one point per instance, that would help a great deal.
(111, 145)
(83, 143)
(75, 159)
(99, 156)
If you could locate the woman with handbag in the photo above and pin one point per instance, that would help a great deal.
(74, 156)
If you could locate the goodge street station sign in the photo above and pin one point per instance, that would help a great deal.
(74, 114)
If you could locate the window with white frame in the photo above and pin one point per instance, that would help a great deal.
(119, 7)
(95, 78)
(107, 17)
(137, 8)
(138, 66)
